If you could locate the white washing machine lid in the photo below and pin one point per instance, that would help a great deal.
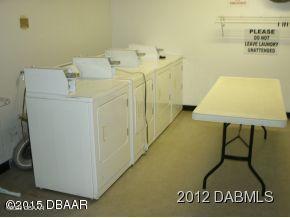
(89, 91)
(149, 67)
(97, 88)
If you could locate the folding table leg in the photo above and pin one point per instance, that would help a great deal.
(250, 160)
(265, 132)
(224, 143)
(237, 158)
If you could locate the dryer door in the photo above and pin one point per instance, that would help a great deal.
(150, 110)
(114, 147)
(140, 108)
(140, 123)
(163, 106)
(176, 90)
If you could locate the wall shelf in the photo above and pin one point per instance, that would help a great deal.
(274, 22)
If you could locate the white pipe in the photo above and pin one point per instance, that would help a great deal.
(7, 192)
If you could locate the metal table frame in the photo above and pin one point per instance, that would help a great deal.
(248, 159)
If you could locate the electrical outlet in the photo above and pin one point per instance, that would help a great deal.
(24, 22)
(9, 137)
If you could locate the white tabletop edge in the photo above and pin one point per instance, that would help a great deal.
(240, 120)
(253, 107)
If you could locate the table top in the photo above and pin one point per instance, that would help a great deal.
(247, 101)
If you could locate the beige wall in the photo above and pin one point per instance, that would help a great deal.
(188, 27)
(59, 30)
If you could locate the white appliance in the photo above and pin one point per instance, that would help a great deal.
(162, 103)
(90, 67)
(163, 98)
(123, 57)
(79, 140)
(169, 92)
(136, 82)
(176, 88)
(146, 71)
(149, 53)
(137, 107)
(164, 92)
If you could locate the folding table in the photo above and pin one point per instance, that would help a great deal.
(243, 101)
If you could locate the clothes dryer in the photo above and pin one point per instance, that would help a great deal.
(79, 138)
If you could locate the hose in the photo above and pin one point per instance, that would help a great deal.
(22, 152)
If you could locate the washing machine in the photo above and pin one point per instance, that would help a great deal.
(137, 94)
(137, 105)
(145, 66)
(79, 131)
(145, 71)
(163, 92)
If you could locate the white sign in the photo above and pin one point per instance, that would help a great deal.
(262, 41)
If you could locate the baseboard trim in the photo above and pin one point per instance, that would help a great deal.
(192, 107)
(4, 167)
